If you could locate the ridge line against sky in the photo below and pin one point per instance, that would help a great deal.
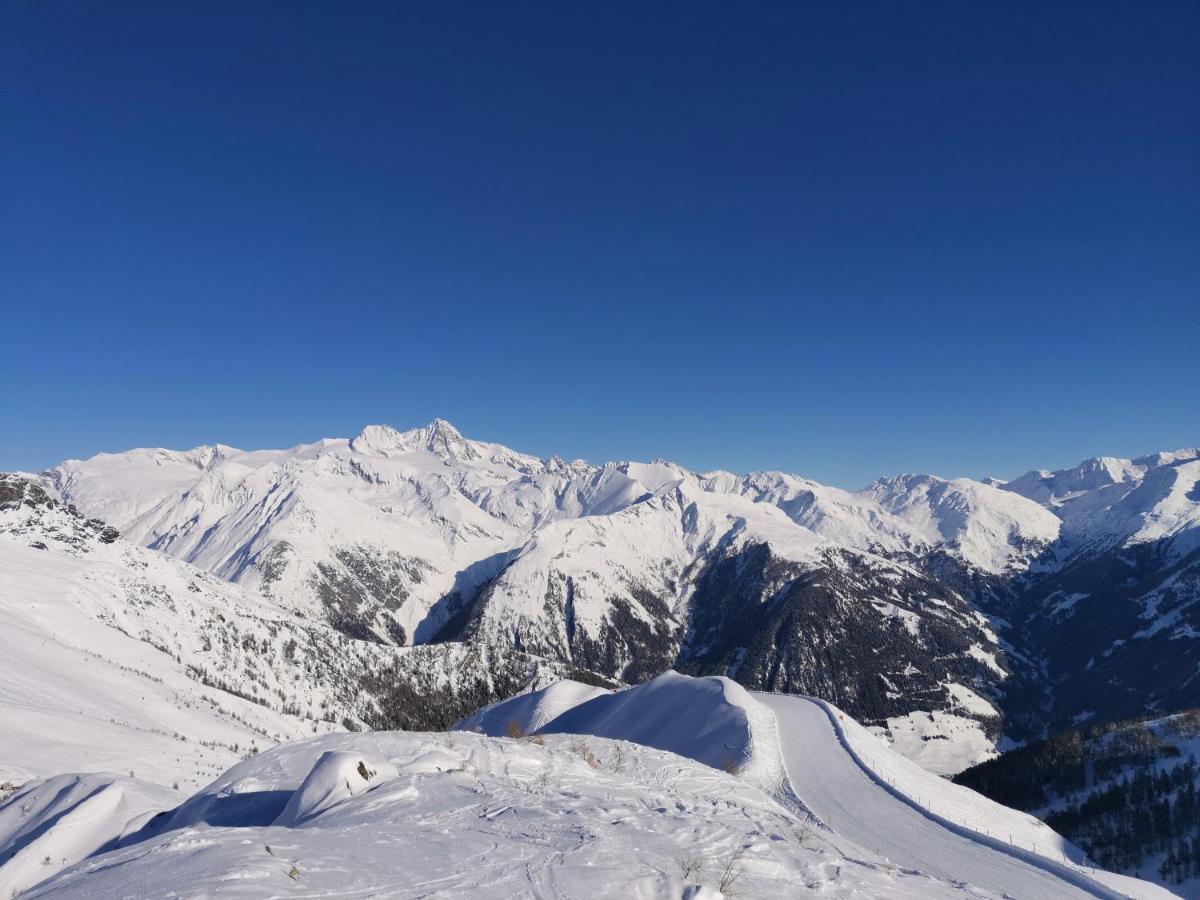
(644, 458)
(838, 241)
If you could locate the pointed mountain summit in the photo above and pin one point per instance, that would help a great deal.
(439, 437)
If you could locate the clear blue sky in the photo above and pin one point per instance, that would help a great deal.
(843, 239)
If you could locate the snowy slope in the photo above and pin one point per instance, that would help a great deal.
(978, 523)
(526, 713)
(578, 814)
(991, 530)
(117, 658)
(711, 720)
(894, 809)
(463, 815)
(867, 794)
(101, 650)
(50, 823)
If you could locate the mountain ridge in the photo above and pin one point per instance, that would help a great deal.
(627, 568)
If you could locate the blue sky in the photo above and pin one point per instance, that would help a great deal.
(839, 239)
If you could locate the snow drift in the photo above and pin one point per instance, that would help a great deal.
(50, 823)
(712, 720)
(526, 713)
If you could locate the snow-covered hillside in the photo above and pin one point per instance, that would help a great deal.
(1105, 501)
(1129, 792)
(471, 816)
(814, 804)
(118, 658)
(1113, 607)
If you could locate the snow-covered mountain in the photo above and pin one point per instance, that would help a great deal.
(912, 603)
(1113, 607)
(623, 569)
(1105, 502)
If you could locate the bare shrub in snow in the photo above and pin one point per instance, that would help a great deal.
(731, 872)
(583, 750)
(803, 832)
(688, 864)
(617, 760)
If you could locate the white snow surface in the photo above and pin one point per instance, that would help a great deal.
(529, 712)
(579, 815)
(49, 823)
(115, 658)
(940, 742)
(713, 720)
(81, 689)
(507, 819)
(841, 773)
(893, 808)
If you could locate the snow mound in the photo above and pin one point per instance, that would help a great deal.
(49, 824)
(528, 712)
(432, 762)
(337, 775)
(712, 720)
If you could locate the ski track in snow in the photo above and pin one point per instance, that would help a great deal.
(824, 771)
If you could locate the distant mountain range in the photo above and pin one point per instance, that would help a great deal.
(951, 613)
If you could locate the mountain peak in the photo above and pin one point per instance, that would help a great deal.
(438, 437)
(442, 427)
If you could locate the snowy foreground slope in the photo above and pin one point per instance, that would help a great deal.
(470, 816)
(817, 760)
(817, 805)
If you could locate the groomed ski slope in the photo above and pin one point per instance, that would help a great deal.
(824, 771)
(877, 804)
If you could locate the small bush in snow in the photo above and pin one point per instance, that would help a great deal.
(688, 864)
(731, 872)
(514, 730)
(583, 750)
(617, 761)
